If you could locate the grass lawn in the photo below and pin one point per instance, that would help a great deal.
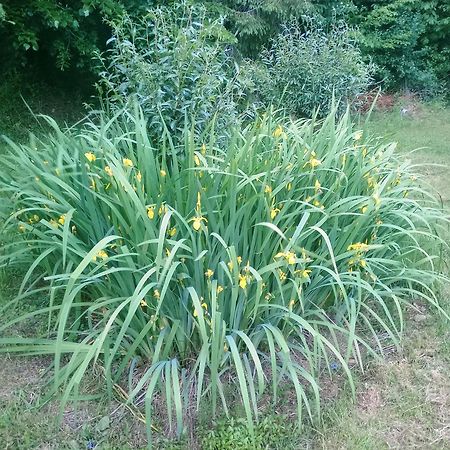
(403, 402)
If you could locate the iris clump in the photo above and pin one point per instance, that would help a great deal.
(259, 263)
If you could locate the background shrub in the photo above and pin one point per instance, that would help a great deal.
(305, 69)
(62, 35)
(175, 63)
(406, 39)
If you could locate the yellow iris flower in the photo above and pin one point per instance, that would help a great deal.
(90, 156)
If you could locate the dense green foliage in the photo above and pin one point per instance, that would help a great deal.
(256, 22)
(67, 34)
(408, 40)
(262, 263)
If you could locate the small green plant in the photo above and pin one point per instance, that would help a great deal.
(306, 69)
(186, 272)
(274, 432)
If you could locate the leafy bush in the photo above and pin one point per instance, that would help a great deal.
(175, 62)
(255, 22)
(305, 70)
(68, 34)
(405, 38)
(265, 262)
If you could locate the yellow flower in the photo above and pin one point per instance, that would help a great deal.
(162, 210)
(219, 289)
(209, 273)
(379, 222)
(358, 246)
(291, 303)
(172, 232)
(197, 222)
(377, 200)
(274, 212)
(139, 176)
(74, 229)
(204, 306)
(231, 265)
(162, 172)
(267, 189)
(62, 219)
(242, 281)
(196, 160)
(290, 257)
(316, 203)
(317, 186)
(371, 182)
(100, 255)
(289, 186)
(150, 212)
(34, 218)
(109, 171)
(313, 161)
(362, 263)
(304, 273)
(127, 162)
(156, 294)
(364, 209)
(357, 135)
(22, 228)
(90, 156)
(203, 149)
(282, 275)
(143, 303)
(278, 131)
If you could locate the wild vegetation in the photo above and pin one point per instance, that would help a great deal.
(221, 234)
